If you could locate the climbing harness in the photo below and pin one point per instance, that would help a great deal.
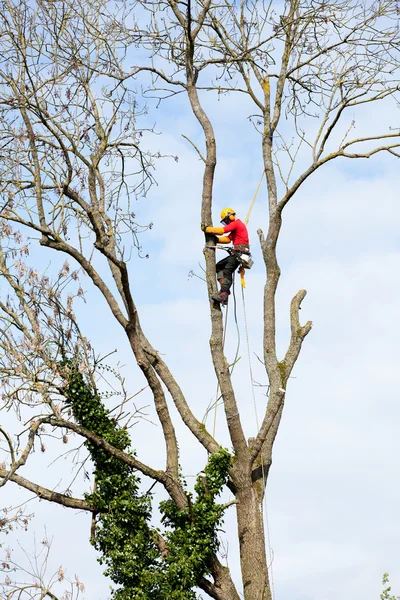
(241, 255)
(244, 259)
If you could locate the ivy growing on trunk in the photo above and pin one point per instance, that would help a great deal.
(123, 534)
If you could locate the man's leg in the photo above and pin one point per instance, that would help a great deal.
(225, 269)
(229, 268)
(220, 266)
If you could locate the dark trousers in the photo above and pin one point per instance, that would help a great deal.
(225, 269)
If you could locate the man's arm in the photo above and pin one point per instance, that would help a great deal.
(225, 239)
(215, 230)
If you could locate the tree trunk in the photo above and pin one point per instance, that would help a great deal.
(253, 557)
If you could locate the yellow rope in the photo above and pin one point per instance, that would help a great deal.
(247, 219)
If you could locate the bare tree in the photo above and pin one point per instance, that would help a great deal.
(32, 580)
(71, 161)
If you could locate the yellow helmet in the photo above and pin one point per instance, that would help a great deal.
(227, 214)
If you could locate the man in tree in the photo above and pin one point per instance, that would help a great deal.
(238, 235)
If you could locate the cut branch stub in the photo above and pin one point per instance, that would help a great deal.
(298, 332)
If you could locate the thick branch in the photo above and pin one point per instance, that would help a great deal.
(298, 332)
(280, 374)
(274, 404)
(60, 245)
(223, 587)
(195, 426)
(291, 28)
(24, 455)
(133, 332)
(168, 482)
(45, 494)
(339, 153)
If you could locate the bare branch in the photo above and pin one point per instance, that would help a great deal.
(46, 494)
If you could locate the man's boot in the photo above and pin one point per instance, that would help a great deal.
(222, 297)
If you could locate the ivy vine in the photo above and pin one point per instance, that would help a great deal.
(124, 536)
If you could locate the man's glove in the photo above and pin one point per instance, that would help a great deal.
(203, 226)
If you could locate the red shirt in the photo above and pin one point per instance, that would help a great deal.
(237, 232)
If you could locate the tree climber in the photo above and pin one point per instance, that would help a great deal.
(238, 235)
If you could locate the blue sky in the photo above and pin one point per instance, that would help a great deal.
(333, 493)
